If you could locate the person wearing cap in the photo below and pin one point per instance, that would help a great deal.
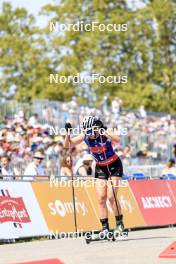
(84, 167)
(35, 168)
(108, 168)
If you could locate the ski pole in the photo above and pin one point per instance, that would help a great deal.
(73, 189)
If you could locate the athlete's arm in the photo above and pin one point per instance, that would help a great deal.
(107, 132)
(71, 142)
(113, 137)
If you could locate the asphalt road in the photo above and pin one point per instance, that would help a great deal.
(141, 247)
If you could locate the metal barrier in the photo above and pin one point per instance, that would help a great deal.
(151, 172)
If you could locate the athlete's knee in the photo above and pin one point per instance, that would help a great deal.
(102, 200)
(111, 199)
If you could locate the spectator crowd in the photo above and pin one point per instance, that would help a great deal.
(28, 148)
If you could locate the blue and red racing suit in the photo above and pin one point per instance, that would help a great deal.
(101, 149)
(106, 159)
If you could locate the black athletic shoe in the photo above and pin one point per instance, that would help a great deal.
(118, 231)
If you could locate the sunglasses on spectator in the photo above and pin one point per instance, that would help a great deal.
(38, 158)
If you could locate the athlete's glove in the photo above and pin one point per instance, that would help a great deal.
(68, 127)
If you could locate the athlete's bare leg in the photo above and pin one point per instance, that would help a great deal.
(101, 190)
(110, 194)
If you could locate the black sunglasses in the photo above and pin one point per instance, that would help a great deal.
(38, 158)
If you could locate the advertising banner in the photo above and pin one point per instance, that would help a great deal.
(20, 214)
(155, 200)
(56, 202)
(42, 208)
(130, 208)
(58, 208)
(56, 205)
(89, 218)
(171, 184)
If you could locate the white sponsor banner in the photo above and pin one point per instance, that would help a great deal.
(20, 214)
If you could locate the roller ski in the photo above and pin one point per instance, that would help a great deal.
(119, 232)
(105, 234)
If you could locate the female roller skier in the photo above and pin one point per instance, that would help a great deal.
(108, 169)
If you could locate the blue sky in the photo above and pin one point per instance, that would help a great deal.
(34, 6)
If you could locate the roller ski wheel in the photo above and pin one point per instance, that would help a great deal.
(101, 236)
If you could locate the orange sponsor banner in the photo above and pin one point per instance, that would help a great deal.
(56, 202)
(84, 193)
(130, 209)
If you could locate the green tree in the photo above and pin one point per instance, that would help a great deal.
(146, 52)
(25, 62)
